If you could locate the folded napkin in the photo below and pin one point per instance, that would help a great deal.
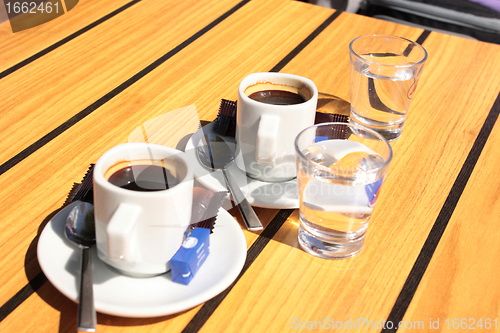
(206, 205)
(85, 190)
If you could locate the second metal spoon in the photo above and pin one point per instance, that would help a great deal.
(217, 155)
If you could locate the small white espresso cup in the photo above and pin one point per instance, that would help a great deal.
(138, 232)
(265, 133)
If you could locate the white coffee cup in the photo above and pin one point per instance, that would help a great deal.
(265, 133)
(138, 232)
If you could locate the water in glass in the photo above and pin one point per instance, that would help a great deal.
(382, 94)
(337, 194)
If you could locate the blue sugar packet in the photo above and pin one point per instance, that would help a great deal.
(320, 138)
(191, 255)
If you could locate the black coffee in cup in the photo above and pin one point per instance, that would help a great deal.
(141, 177)
(277, 97)
(277, 94)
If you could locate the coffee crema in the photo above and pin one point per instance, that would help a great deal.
(142, 176)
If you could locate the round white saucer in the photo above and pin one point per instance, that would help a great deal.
(258, 193)
(120, 295)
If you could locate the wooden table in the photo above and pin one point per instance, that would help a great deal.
(76, 86)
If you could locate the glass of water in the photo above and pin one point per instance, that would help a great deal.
(340, 170)
(384, 74)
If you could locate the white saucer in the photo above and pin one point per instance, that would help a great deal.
(258, 193)
(124, 296)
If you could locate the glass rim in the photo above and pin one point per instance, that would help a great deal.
(369, 130)
(393, 37)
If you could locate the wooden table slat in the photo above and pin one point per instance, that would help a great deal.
(112, 123)
(20, 46)
(197, 53)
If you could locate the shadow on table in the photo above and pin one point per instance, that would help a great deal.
(68, 312)
(68, 309)
(181, 145)
(286, 233)
(46, 291)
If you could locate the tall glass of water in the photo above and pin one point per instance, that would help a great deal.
(384, 74)
(340, 170)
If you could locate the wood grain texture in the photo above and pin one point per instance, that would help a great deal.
(455, 94)
(49, 303)
(427, 252)
(19, 46)
(462, 278)
(213, 65)
(65, 82)
(427, 160)
(254, 251)
(27, 180)
(328, 62)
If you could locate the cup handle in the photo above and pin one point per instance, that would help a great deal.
(267, 138)
(119, 232)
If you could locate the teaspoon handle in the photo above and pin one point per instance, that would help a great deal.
(87, 320)
(251, 219)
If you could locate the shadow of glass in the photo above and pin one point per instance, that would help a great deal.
(332, 104)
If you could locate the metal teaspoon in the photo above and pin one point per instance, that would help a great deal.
(217, 155)
(80, 230)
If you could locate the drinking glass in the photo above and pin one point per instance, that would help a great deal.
(384, 74)
(340, 170)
